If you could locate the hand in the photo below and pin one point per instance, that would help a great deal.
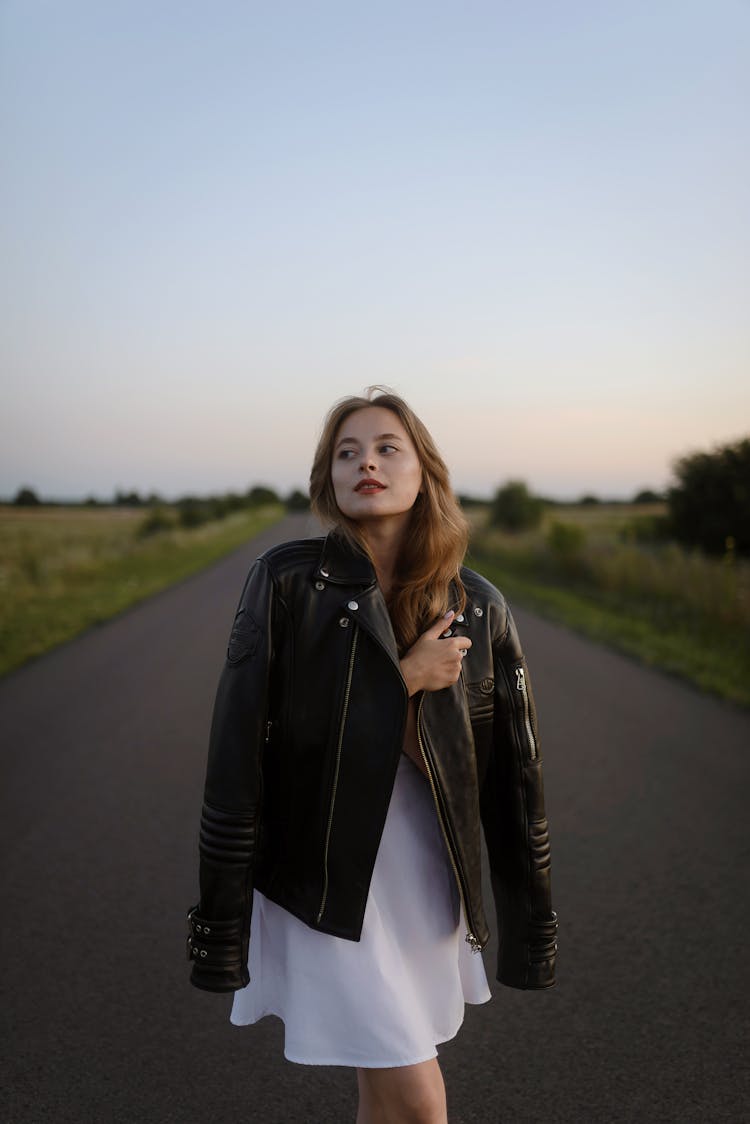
(433, 663)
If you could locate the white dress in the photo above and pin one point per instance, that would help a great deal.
(389, 998)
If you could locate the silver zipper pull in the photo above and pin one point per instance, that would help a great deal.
(520, 679)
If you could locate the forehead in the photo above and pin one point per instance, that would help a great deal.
(369, 422)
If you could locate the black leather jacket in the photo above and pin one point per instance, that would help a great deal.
(307, 730)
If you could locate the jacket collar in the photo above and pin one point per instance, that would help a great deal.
(343, 564)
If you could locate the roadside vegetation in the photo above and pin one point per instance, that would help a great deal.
(64, 568)
(663, 578)
(668, 582)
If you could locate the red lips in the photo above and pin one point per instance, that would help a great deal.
(369, 483)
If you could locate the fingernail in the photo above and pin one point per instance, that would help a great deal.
(450, 613)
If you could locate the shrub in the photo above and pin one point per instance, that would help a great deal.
(297, 501)
(646, 529)
(192, 512)
(157, 520)
(261, 495)
(565, 540)
(514, 508)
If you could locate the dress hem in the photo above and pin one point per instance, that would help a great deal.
(365, 1064)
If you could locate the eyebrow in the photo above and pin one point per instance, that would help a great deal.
(380, 437)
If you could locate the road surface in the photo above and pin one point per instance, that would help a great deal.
(103, 755)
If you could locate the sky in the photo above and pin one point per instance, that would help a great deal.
(530, 220)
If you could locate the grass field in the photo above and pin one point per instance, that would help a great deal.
(64, 569)
(589, 567)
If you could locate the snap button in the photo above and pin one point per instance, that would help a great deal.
(352, 605)
(448, 632)
(344, 622)
(320, 585)
(199, 928)
(324, 573)
(203, 952)
(478, 612)
(206, 929)
(460, 618)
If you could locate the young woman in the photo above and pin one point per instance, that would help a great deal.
(373, 717)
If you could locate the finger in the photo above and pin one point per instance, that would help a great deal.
(440, 626)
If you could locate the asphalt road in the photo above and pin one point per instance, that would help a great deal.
(103, 754)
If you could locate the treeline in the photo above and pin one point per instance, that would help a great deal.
(707, 506)
(187, 511)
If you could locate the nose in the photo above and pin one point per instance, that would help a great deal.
(367, 463)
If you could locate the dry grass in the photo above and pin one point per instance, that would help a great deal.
(64, 569)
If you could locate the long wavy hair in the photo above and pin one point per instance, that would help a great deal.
(433, 549)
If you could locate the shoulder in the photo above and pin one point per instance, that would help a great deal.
(297, 554)
(483, 597)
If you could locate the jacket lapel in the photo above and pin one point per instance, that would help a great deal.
(342, 564)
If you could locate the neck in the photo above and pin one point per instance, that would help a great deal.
(384, 539)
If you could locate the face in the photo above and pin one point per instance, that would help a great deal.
(375, 469)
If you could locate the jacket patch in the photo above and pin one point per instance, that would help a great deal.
(244, 637)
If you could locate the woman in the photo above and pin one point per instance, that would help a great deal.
(373, 716)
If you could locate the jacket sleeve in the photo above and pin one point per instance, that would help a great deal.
(515, 824)
(219, 925)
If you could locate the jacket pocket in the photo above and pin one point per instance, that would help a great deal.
(480, 699)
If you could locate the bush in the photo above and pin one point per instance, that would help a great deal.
(297, 501)
(565, 540)
(192, 512)
(158, 519)
(514, 508)
(710, 503)
(645, 529)
(261, 495)
(128, 499)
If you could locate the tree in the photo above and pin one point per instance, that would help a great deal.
(26, 497)
(297, 501)
(127, 499)
(709, 506)
(261, 495)
(514, 508)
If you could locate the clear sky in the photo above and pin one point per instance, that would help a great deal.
(531, 220)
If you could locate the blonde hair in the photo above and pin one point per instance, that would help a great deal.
(433, 550)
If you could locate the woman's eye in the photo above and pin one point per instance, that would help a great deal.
(392, 448)
(344, 454)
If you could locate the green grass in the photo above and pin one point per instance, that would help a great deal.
(673, 609)
(65, 569)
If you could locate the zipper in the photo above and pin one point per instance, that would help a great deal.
(470, 938)
(521, 686)
(344, 710)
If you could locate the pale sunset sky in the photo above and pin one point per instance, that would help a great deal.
(531, 220)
